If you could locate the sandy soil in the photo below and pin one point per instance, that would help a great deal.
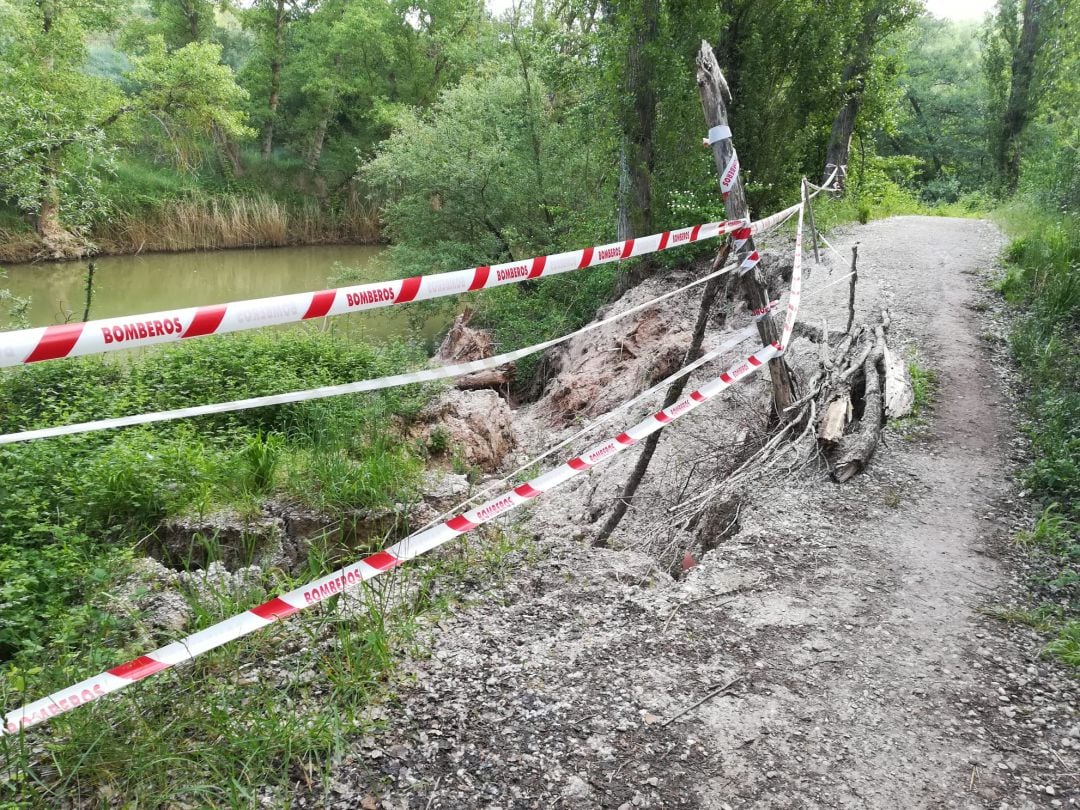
(833, 651)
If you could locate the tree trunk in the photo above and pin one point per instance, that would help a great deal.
(638, 152)
(58, 242)
(930, 139)
(229, 150)
(639, 118)
(275, 79)
(712, 88)
(623, 229)
(1018, 109)
(853, 85)
(318, 138)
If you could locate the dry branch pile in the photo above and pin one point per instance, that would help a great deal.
(860, 382)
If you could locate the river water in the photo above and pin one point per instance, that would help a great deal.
(131, 285)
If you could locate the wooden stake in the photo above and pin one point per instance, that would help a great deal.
(713, 88)
(851, 288)
(813, 227)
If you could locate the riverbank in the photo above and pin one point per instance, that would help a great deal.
(212, 223)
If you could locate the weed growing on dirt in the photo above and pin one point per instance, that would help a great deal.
(1067, 644)
(1042, 279)
(924, 386)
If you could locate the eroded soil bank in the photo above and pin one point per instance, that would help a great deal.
(830, 650)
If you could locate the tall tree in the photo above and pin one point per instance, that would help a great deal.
(878, 19)
(640, 22)
(1011, 58)
(269, 21)
(57, 122)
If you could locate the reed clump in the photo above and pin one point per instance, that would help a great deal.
(236, 222)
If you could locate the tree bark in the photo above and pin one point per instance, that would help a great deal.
(276, 59)
(712, 88)
(1018, 109)
(853, 85)
(58, 242)
(317, 140)
(638, 151)
(228, 148)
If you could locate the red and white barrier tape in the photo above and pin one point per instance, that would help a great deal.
(94, 337)
(795, 294)
(283, 606)
(377, 384)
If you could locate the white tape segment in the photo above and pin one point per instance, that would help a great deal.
(421, 376)
(730, 174)
(719, 133)
(94, 337)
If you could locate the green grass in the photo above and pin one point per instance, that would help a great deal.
(251, 719)
(74, 505)
(924, 386)
(1042, 280)
(232, 726)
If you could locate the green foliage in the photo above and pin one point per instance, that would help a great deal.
(188, 90)
(468, 183)
(237, 739)
(924, 385)
(942, 114)
(68, 500)
(1043, 278)
(13, 307)
(1067, 644)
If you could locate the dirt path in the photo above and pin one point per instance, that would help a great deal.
(844, 623)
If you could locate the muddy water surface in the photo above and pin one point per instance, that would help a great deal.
(131, 285)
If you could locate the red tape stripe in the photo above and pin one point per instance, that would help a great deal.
(661, 417)
(697, 396)
(57, 342)
(577, 464)
(274, 609)
(538, 265)
(586, 258)
(461, 524)
(381, 560)
(320, 304)
(206, 321)
(627, 249)
(142, 667)
(480, 278)
(409, 288)
(625, 438)
(527, 491)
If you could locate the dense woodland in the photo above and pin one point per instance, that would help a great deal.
(458, 137)
(132, 125)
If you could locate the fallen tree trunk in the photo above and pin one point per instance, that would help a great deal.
(854, 449)
(899, 394)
